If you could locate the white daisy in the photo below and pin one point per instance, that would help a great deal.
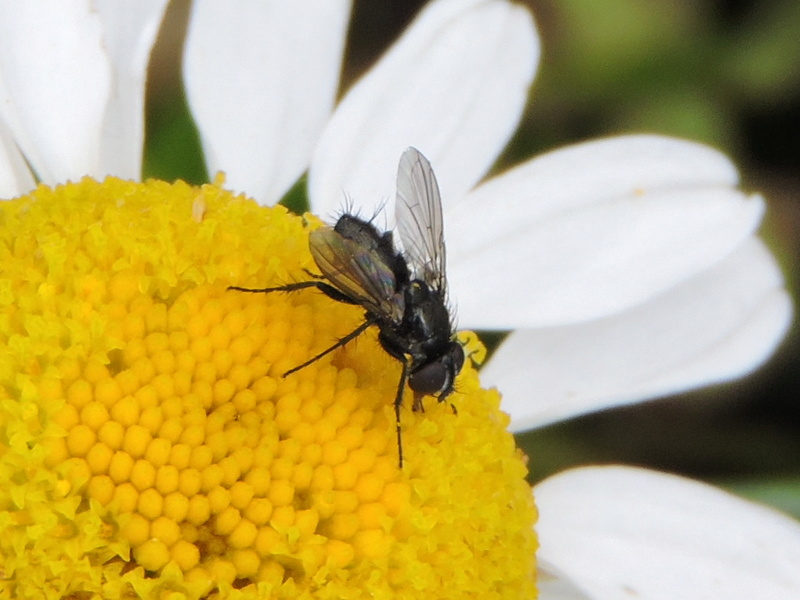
(72, 78)
(629, 268)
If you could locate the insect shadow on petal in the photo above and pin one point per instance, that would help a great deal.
(402, 290)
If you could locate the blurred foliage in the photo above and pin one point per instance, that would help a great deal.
(173, 149)
(782, 493)
(689, 69)
(296, 199)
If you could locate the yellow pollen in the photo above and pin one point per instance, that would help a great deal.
(150, 446)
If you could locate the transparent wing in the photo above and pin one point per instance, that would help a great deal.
(358, 273)
(418, 212)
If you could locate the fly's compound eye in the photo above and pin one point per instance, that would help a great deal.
(430, 379)
(455, 356)
(437, 377)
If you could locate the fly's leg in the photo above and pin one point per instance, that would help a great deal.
(342, 342)
(323, 287)
(329, 291)
(443, 398)
(290, 287)
(398, 402)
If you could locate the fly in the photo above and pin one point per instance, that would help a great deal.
(403, 291)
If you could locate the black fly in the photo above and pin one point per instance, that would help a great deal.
(403, 292)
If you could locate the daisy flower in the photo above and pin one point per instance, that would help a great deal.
(149, 444)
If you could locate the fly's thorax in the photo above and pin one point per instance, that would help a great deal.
(364, 233)
(427, 319)
(371, 240)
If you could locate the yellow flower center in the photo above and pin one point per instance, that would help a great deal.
(150, 446)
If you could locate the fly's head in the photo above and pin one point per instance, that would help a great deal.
(438, 376)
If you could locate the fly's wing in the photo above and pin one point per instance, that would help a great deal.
(357, 272)
(418, 213)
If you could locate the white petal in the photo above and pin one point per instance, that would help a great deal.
(54, 84)
(454, 85)
(129, 32)
(718, 326)
(592, 230)
(590, 172)
(553, 585)
(261, 79)
(620, 532)
(15, 176)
